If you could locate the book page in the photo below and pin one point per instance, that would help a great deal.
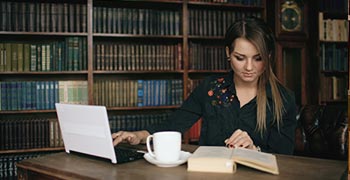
(213, 152)
(259, 160)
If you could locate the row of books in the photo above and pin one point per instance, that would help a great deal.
(333, 57)
(35, 95)
(207, 57)
(136, 122)
(68, 17)
(40, 133)
(8, 168)
(43, 17)
(29, 133)
(136, 21)
(34, 132)
(134, 93)
(334, 88)
(137, 57)
(333, 29)
(214, 22)
(243, 2)
(67, 55)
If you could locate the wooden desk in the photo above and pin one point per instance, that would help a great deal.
(77, 166)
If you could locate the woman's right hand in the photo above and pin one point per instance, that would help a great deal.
(133, 138)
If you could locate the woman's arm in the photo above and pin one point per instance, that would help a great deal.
(282, 140)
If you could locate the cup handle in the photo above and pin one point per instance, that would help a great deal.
(148, 143)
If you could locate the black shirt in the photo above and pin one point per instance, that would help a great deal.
(215, 101)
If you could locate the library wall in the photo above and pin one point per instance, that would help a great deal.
(139, 59)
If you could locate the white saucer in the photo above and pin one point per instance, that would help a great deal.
(183, 158)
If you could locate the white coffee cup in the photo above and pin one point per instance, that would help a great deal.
(166, 145)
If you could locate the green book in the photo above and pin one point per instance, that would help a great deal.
(33, 57)
(44, 60)
(48, 57)
(26, 57)
(20, 57)
(8, 55)
(2, 59)
(14, 56)
(62, 86)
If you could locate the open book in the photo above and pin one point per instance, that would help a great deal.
(223, 159)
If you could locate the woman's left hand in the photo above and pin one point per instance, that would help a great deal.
(240, 139)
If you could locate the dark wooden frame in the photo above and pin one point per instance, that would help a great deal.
(280, 33)
(304, 64)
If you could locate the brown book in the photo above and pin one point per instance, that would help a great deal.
(223, 160)
(65, 17)
(115, 57)
(77, 14)
(84, 18)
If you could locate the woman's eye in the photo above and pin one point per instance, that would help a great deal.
(239, 58)
(258, 58)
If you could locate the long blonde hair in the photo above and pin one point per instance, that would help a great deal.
(257, 32)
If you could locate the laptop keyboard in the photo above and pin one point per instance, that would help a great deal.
(126, 155)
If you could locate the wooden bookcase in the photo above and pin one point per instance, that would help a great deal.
(333, 56)
(99, 51)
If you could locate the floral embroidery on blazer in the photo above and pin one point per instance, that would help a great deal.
(221, 93)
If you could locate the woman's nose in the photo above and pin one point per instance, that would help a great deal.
(249, 64)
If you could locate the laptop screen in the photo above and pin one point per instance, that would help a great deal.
(85, 129)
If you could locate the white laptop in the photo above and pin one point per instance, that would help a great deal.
(85, 129)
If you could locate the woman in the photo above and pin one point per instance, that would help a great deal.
(247, 108)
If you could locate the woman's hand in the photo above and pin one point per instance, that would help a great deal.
(133, 138)
(240, 139)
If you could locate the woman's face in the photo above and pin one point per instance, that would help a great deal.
(246, 61)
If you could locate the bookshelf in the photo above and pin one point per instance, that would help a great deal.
(333, 52)
(334, 56)
(141, 59)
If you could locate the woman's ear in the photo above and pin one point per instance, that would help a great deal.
(227, 52)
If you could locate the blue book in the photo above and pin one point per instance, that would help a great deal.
(52, 95)
(146, 93)
(150, 95)
(14, 98)
(38, 95)
(28, 96)
(4, 100)
(156, 92)
(34, 95)
(21, 95)
(140, 93)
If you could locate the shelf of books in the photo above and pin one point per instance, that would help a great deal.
(333, 52)
(207, 24)
(137, 61)
(43, 60)
(140, 59)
